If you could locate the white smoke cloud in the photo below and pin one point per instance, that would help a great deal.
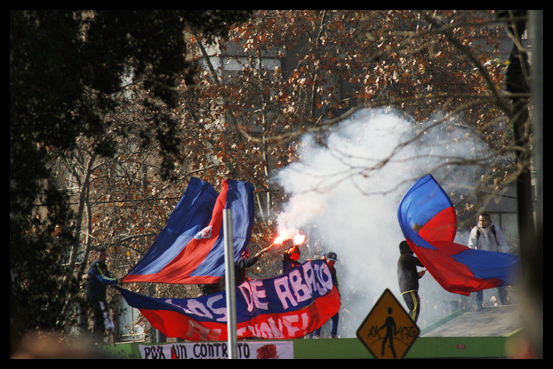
(347, 191)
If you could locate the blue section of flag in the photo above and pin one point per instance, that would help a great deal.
(428, 221)
(190, 216)
(240, 201)
(190, 249)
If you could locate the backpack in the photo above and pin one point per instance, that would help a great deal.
(491, 229)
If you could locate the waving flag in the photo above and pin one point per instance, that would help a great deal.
(190, 249)
(429, 224)
(290, 305)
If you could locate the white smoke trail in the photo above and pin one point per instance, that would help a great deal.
(347, 192)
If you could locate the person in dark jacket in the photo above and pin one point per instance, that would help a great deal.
(209, 289)
(331, 258)
(408, 278)
(290, 258)
(98, 280)
(244, 262)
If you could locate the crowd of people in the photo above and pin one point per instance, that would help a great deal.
(99, 278)
(484, 236)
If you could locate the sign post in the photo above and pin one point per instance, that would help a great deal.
(388, 332)
(230, 283)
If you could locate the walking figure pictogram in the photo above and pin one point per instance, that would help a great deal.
(391, 331)
(388, 331)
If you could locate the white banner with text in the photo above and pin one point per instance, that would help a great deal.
(219, 350)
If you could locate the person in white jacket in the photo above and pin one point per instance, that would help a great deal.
(487, 236)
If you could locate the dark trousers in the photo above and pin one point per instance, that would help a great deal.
(92, 306)
(413, 302)
(333, 327)
(502, 296)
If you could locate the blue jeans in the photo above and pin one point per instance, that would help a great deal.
(333, 326)
(502, 296)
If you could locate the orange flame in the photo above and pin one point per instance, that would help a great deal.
(298, 239)
(280, 239)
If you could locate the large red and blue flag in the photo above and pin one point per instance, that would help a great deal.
(287, 306)
(428, 221)
(190, 249)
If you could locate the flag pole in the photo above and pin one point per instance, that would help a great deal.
(230, 283)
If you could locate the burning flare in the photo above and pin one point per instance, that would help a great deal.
(298, 239)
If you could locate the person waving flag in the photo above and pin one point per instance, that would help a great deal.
(428, 221)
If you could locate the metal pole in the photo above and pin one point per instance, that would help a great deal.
(532, 301)
(230, 283)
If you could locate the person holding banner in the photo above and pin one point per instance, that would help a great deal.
(290, 258)
(287, 306)
(98, 280)
(209, 289)
(408, 278)
(331, 258)
(244, 262)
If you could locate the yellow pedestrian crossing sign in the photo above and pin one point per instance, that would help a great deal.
(388, 332)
